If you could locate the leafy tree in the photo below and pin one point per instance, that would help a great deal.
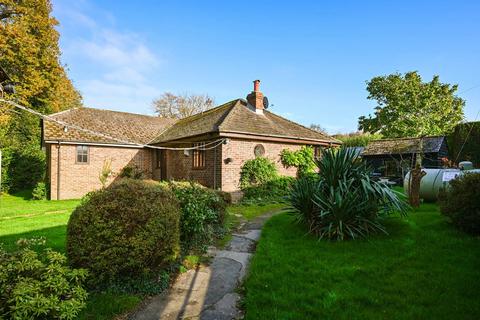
(30, 54)
(409, 107)
(181, 106)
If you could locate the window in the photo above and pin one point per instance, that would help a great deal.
(199, 156)
(317, 152)
(159, 158)
(259, 150)
(82, 154)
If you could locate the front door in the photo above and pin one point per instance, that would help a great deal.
(161, 156)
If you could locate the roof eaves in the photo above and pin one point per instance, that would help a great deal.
(298, 124)
(281, 136)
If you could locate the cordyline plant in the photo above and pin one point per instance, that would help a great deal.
(342, 202)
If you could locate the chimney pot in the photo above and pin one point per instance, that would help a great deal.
(255, 98)
(256, 85)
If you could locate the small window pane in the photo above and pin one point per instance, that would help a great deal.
(82, 154)
(199, 155)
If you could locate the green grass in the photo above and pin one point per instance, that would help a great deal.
(21, 217)
(20, 204)
(425, 269)
(251, 211)
(105, 306)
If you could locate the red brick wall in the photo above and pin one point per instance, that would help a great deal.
(77, 179)
(241, 150)
(179, 167)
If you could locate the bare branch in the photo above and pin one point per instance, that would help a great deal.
(169, 105)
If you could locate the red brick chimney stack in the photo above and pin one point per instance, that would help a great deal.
(255, 98)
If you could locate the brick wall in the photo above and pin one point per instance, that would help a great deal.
(77, 179)
(242, 150)
(180, 167)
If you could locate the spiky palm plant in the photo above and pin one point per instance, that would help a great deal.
(343, 202)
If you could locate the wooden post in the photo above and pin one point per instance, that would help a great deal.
(416, 175)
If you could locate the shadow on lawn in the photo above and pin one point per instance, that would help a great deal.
(55, 238)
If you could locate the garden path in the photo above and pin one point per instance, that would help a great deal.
(209, 291)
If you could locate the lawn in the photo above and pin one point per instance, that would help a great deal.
(251, 211)
(21, 217)
(425, 269)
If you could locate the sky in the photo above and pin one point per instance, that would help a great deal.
(313, 57)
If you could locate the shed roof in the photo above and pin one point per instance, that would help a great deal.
(403, 146)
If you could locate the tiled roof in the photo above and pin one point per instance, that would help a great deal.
(403, 146)
(197, 124)
(232, 117)
(128, 127)
(236, 117)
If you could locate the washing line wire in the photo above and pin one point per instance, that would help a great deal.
(201, 146)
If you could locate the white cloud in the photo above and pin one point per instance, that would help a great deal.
(119, 63)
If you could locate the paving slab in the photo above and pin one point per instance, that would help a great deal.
(208, 292)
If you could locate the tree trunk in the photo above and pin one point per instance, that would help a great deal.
(416, 176)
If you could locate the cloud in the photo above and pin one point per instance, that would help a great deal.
(111, 67)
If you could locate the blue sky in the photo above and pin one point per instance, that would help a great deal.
(313, 57)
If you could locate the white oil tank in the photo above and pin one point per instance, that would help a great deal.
(434, 180)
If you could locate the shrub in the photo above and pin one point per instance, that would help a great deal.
(357, 139)
(39, 285)
(302, 159)
(343, 203)
(276, 190)
(203, 214)
(461, 202)
(132, 172)
(22, 168)
(257, 171)
(127, 230)
(40, 191)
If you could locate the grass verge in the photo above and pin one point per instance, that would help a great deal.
(425, 269)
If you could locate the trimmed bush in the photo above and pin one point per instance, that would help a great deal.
(343, 202)
(461, 202)
(276, 190)
(127, 230)
(257, 171)
(131, 172)
(40, 191)
(39, 286)
(203, 214)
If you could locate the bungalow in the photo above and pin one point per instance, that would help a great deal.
(394, 157)
(208, 147)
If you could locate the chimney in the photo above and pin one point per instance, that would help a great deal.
(255, 98)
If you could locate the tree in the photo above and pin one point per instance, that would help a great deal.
(409, 107)
(357, 139)
(181, 106)
(30, 54)
(318, 128)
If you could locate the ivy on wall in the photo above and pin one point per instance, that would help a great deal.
(302, 159)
